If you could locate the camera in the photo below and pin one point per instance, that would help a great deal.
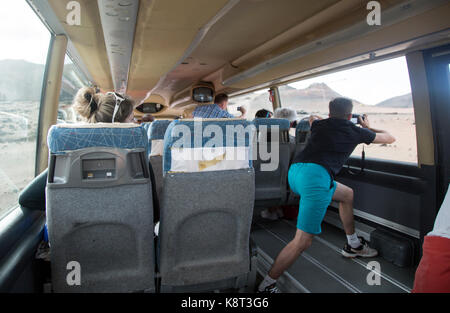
(355, 118)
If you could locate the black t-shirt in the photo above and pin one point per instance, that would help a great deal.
(331, 143)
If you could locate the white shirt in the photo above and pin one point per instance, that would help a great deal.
(442, 224)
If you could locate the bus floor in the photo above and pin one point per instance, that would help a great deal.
(322, 268)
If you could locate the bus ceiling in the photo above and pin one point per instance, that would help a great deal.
(164, 47)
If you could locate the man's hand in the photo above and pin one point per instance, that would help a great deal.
(313, 118)
(382, 136)
(243, 111)
(364, 121)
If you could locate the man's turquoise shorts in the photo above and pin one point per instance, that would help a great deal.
(316, 188)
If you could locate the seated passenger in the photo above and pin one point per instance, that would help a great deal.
(288, 114)
(147, 118)
(216, 110)
(93, 107)
(110, 107)
(263, 113)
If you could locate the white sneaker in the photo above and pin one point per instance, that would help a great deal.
(270, 289)
(267, 214)
(363, 250)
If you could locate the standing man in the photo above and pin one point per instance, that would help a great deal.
(312, 175)
(216, 110)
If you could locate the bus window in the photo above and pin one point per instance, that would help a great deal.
(253, 102)
(72, 81)
(381, 90)
(25, 41)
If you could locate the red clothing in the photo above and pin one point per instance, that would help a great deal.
(433, 272)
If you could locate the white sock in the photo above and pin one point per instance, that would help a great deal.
(266, 282)
(353, 240)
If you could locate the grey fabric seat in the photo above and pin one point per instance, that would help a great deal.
(146, 126)
(271, 183)
(99, 208)
(302, 135)
(156, 133)
(207, 209)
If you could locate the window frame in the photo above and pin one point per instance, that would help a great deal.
(41, 103)
(81, 75)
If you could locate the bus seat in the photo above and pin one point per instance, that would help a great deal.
(99, 208)
(146, 126)
(272, 185)
(207, 207)
(156, 137)
(302, 134)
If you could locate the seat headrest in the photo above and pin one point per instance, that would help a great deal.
(156, 133)
(282, 123)
(158, 129)
(302, 130)
(69, 137)
(146, 126)
(194, 145)
(303, 126)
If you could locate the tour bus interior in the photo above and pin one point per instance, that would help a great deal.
(265, 54)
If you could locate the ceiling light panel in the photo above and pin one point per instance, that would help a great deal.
(118, 18)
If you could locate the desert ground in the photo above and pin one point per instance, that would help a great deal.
(17, 149)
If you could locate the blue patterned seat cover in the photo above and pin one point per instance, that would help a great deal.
(173, 136)
(282, 123)
(146, 126)
(303, 126)
(65, 138)
(157, 130)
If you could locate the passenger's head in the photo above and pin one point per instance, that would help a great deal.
(148, 118)
(221, 100)
(286, 113)
(341, 108)
(263, 113)
(96, 107)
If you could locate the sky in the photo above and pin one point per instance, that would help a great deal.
(22, 34)
(369, 84)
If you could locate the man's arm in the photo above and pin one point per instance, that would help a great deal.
(382, 136)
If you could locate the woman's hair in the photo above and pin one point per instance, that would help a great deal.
(286, 113)
(96, 107)
(263, 113)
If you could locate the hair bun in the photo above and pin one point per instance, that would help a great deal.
(85, 102)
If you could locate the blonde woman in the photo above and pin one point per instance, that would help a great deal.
(93, 107)
(110, 107)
